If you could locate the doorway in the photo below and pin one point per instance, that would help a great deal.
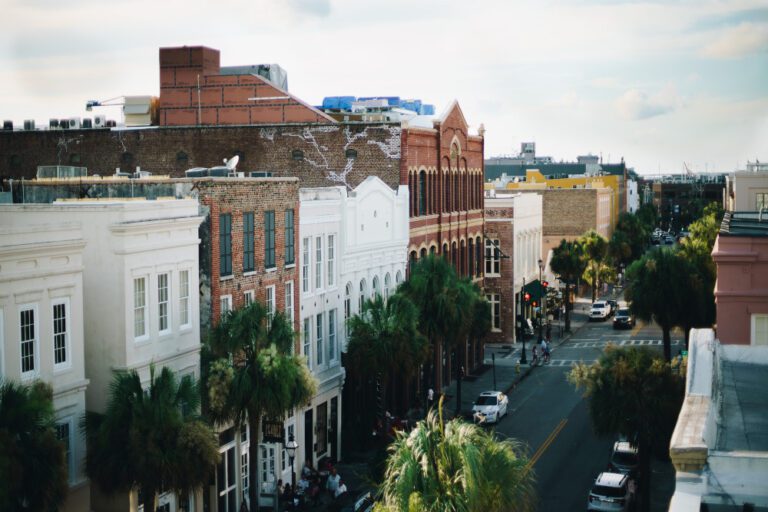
(309, 452)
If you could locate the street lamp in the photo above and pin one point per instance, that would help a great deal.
(541, 268)
(291, 446)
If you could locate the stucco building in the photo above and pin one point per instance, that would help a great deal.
(747, 190)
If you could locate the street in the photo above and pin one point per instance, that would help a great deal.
(552, 419)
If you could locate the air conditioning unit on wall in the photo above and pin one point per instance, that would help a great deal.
(100, 121)
(74, 123)
(29, 124)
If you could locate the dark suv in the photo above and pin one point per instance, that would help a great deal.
(624, 319)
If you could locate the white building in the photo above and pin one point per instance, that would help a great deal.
(633, 197)
(41, 324)
(352, 245)
(747, 190)
(141, 303)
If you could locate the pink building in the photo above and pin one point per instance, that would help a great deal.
(741, 291)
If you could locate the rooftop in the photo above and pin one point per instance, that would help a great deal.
(749, 224)
(744, 407)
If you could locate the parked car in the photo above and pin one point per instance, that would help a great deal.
(490, 407)
(624, 319)
(600, 310)
(610, 492)
(624, 459)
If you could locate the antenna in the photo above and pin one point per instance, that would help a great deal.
(232, 162)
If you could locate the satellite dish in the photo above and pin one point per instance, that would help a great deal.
(232, 162)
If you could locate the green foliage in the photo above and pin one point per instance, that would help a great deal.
(595, 249)
(152, 439)
(629, 239)
(33, 474)
(267, 379)
(455, 467)
(569, 264)
(648, 216)
(631, 391)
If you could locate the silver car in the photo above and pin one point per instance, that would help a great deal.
(610, 493)
(490, 407)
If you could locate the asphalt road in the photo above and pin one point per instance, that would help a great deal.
(552, 419)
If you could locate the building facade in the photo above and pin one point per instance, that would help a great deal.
(747, 190)
(42, 325)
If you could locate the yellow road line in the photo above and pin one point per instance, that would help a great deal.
(546, 443)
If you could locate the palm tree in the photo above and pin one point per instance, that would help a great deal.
(465, 296)
(457, 467)
(568, 264)
(33, 473)
(595, 248)
(150, 439)
(431, 288)
(266, 377)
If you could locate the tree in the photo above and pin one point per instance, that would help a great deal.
(648, 216)
(457, 467)
(632, 392)
(151, 439)
(595, 248)
(257, 374)
(431, 287)
(465, 296)
(33, 473)
(384, 341)
(568, 264)
(629, 239)
(658, 290)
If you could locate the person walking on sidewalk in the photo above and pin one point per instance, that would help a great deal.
(545, 351)
(430, 398)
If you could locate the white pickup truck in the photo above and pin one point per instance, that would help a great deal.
(600, 310)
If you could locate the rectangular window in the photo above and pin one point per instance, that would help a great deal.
(331, 335)
(225, 244)
(290, 259)
(270, 302)
(318, 262)
(269, 239)
(163, 302)
(331, 259)
(184, 298)
(289, 302)
(248, 264)
(225, 304)
(761, 200)
(760, 330)
(493, 299)
(60, 334)
(28, 325)
(63, 435)
(139, 307)
(319, 337)
(492, 257)
(306, 335)
(268, 468)
(248, 297)
(305, 265)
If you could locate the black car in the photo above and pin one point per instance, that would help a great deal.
(624, 319)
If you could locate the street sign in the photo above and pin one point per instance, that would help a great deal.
(272, 431)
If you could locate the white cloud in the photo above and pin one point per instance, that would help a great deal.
(740, 41)
(635, 104)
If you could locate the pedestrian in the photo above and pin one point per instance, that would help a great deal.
(430, 398)
(549, 331)
(333, 481)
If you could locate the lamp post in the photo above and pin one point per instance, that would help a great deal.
(291, 446)
(541, 308)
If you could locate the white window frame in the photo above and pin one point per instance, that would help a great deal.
(69, 453)
(492, 257)
(144, 308)
(224, 299)
(245, 463)
(306, 251)
(185, 311)
(267, 463)
(248, 297)
(755, 318)
(166, 303)
(306, 334)
(375, 287)
(362, 291)
(331, 251)
(30, 374)
(348, 290)
(494, 299)
(289, 302)
(67, 363)
(387, 285)
(318, 262)
(319, 335)
(269, 302)
(332, 334)
(231, 445)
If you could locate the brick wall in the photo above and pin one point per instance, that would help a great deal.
(330, 154)
(499, 225)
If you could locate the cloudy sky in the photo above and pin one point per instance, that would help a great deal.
(658, 83)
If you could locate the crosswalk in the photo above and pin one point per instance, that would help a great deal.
(603, 343)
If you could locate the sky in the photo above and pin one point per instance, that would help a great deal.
(658, 83)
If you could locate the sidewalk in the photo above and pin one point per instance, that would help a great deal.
(508, 372)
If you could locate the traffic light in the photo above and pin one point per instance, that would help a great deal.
(527, 297)
(545, 284)
(535, 303)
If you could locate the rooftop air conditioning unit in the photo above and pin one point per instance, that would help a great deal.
(87, 122)
(74, 123)
(53, 124)
(99, 121)
(260, 174)
(8, 126)
(64, 124)
(29, 124)
(111, 123)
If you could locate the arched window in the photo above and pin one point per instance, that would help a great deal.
(412, 260)
(347, 307)
(376, 292)
(447, 192)
(423, 193)
(433, 249)
(456, 193)
(471, 253)
(387, 285)
(398, 277)
(462, 259)
(454, 256)
(423, 253)
(445, 251)
(478, 256)
(363, 293)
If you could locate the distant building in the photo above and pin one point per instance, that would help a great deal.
(679, 199)
(747, 190)
(42, 325)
